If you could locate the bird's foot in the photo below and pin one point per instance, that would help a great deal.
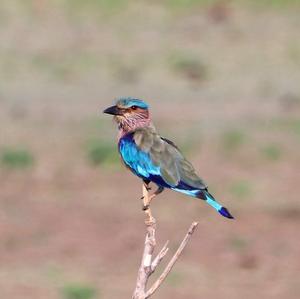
(149, 198)
(145, 207)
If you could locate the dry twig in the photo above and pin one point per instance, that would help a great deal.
(149, 264)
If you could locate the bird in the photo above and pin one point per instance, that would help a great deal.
(154, 158)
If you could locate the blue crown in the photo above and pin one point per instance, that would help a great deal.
(129, 102)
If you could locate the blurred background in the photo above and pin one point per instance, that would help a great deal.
(223, 82)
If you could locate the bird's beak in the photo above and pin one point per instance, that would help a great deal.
(114, 110)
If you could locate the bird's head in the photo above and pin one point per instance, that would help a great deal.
(130, 113)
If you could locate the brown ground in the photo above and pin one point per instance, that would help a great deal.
(235, 111)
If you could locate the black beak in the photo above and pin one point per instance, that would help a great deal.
(114, 110)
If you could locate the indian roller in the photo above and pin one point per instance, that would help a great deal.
(154, 158)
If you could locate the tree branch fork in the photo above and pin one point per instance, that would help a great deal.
(150, 263)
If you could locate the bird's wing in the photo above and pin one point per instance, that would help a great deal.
(188, 174)
(147, 155)
(163, 153)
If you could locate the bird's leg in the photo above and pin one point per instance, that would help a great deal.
(149, 218)
(159, 190)
(146, 189)
(146, 183)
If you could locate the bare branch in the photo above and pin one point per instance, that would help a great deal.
(175, 257)
(160, 256)
(148, 264)
(145, 267)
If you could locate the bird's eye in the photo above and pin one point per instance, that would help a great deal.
(133, 107)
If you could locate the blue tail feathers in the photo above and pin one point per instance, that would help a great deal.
(224, 212)
(213, 203)
(206, 196)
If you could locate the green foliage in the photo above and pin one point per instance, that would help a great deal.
(274, 3)
(294, 126)
(78, 291)
(184, 4)
(233, 139)
(238, 243)
(240, 189)
(288, 125)
(15, 158)
(97, 7)
(271, 152)
(189, 66)
(102, 152)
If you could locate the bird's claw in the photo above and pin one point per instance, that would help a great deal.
(145, 207)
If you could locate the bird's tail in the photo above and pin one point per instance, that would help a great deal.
(205, 195)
